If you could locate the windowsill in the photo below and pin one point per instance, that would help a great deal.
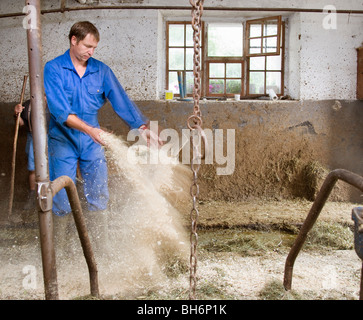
(233, 100)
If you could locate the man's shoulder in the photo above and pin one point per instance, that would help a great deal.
(58, 61)
(97, 63)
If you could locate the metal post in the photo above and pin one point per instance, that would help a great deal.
(38, 118)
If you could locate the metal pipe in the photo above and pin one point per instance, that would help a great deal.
(47, 190)
(236, 9)
(335, 175)
(38, 119)
(67, 183)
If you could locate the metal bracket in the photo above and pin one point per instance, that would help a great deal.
(45, 196)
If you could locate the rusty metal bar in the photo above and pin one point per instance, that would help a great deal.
(46, 189)
(63, 9)
(67, 183)
(38, 119)
(335, 175)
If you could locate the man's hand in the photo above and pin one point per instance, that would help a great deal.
(18, 109)
(95, 133)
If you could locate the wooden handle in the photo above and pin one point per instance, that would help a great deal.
(14, 149)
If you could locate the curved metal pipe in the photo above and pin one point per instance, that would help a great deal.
(335, 175)
(67, 183)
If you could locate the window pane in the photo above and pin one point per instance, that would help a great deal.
(189, 36)
(233, 86)
(189, 59)
(257, 83)
(176, 59)
(255, 30)
(176, 35)
(233, 70)
(273, 63)
(216, 70)
(270, 44)
(257, 63)
(216, 86)
(189, 63)
(255, 46)
(190, 82)
(270, 28)
(225, 40)
(173, 82)
(273, 81)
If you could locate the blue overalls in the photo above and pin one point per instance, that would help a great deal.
(67, 94)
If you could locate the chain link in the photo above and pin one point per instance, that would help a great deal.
(195, 124)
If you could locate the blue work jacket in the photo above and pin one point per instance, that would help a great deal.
(67, 94)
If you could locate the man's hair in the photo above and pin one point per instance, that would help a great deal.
(81, 29)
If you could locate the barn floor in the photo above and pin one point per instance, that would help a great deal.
(227, 269)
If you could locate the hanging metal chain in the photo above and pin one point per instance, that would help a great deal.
(195, 125)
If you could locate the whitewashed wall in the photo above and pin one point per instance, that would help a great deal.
(321, 63)
(128, 44)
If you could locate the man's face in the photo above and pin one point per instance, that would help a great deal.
(85, 48)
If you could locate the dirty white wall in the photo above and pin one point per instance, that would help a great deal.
(321, 63)
(128, 44)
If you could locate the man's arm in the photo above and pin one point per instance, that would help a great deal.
(57, 101)
(76, 123)
(121, 103)
(127, 110)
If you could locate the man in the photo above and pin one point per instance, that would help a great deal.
(24, 120)
(77, 86)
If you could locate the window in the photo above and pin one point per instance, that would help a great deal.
(224, 61)
(263, 36)
(243, 58)
(264, 73)
(264, 56)
(224, 78)
(180, 50)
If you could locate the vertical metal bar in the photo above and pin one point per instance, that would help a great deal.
(38, 118)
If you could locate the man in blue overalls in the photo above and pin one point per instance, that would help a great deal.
(25, 120)
(77, 86)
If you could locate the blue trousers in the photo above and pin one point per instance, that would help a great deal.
(29, 149)
(63, 160)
